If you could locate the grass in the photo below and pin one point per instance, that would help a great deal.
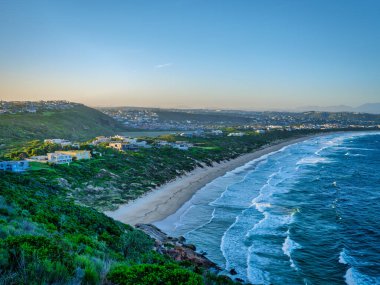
(36, 166)
(207, 147)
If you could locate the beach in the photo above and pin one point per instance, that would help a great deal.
(164, 201)
(296, 210)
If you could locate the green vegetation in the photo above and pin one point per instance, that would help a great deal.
(50, 229)
(117, 177)
(46, 238)
(147, 274)
(77, 123)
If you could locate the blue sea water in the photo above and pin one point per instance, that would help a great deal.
(307, 214)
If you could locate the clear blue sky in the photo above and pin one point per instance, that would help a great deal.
(191, 53)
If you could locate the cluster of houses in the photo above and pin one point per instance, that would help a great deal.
(122, 143)
(118, 142)
(181, 145)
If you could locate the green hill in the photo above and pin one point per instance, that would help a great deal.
(77, 123)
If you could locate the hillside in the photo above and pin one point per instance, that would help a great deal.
(77, 123)
(45, 238)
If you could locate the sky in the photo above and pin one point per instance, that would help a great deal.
(245, 54)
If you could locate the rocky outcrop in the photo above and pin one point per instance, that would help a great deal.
(177, 248)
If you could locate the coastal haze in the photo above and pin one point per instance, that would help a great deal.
(189, 142)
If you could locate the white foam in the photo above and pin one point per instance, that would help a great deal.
(257, 276)
(353, 154)
(349, 277)
(233, 245)
(343, 257)
(288, 247)
(338, 139)
(313, 160)
(354, 277)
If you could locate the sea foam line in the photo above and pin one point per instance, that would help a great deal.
(288, 247)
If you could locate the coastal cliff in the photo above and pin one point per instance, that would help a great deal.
(177, 248)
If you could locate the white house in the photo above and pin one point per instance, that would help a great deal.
(119, 137)
(38, 158)
(61, 142)
(181, 145)
(217, 132)
(58, 158)
(162, 143)
(130, 140)
(78, 154)
(100, 139)
(240, 134)
(76, 145)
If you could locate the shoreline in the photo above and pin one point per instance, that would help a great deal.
(160, 203)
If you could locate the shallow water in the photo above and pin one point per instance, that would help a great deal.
(307, 214)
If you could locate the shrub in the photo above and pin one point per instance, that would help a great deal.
(30, 247)
(150, 274)
(136, 243)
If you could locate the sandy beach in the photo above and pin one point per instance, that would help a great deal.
(167, 199)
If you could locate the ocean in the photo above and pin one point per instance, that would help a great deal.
(306, 214)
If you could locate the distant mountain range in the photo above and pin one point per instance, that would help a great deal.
(371, 108)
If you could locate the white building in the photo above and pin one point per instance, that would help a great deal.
(119, 137)
(58, 158)
(162, 143)
(38, 158)
(240, 134)
(181, 145)
(61, 142)
(217, 132)
(100, 139)
(130, 140)
(78, 154)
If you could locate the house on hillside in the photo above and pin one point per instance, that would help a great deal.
(162, 143)
(240, 134)
(122, 146)
(14, 166)
(61, 142)
(217, 132)
(101, 139)
(182, 145)
(78, 154)
(75, 145)
(38, 158)
(58, 158)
